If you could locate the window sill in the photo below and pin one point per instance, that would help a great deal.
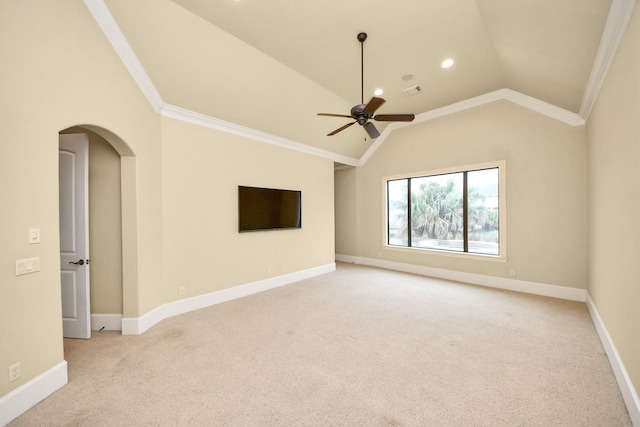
(462, 255)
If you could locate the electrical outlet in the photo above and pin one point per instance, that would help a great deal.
(512, 272)
(182, 290)
(14, 372)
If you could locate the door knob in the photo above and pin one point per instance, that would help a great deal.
(80, 262)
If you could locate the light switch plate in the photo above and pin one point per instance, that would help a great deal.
(21, 268)
(34, 235)
(27, 265)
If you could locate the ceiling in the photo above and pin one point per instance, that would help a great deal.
(272, 65)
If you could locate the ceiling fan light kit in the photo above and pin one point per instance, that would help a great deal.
(362, 112)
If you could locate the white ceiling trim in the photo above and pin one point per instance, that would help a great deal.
(525, 101)
(505, 94)
(188, 116)
(114, 34)
(542, 107)
(617, 21)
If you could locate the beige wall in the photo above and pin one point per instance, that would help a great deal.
(105, 227)
(203, 250)
(178, 185)
(614, 201)
(546, 189)
(191, 48)
(55, 60)
(179, 179)
(346, 199)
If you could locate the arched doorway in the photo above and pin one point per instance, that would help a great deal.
(112, 227)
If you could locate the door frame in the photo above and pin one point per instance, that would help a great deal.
(129, 215)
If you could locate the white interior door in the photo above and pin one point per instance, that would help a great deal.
(74, 235)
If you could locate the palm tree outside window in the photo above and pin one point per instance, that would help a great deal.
(456, 212)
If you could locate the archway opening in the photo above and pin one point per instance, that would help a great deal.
(112, 227)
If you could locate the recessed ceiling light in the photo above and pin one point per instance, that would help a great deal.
(447, 63)
(378, 92)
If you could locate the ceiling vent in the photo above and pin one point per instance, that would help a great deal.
(412, 90)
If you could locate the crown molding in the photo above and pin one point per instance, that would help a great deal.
(617, 21)
(549, 110)
(114, 34)
(505, 94)
(377, 143)
(619, 15)
(518, 98)
(198, 119)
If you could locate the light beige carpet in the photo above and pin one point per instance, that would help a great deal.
(357, 347)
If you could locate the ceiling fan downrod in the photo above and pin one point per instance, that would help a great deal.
(363, 113)
(361, 38)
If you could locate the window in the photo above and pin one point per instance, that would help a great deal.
(453, 210)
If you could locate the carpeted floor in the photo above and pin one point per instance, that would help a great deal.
(357, 347)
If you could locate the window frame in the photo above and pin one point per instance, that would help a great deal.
(502, 211)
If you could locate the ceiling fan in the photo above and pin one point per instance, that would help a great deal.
(362, 112)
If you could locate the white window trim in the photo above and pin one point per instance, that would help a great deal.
(502, 206)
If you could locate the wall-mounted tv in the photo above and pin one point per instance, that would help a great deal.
(268, 209)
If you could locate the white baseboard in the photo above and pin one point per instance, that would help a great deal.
(138, 325)
(535, 288)
(106, 322)
(622, 377)
(347, 258)
(627, 389)
(29, 394)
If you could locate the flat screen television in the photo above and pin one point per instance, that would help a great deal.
(268, 209)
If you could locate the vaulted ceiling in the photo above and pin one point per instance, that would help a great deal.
(272, 65)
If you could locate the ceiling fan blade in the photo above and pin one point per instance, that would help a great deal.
(371, 130)
(373, 105)
(340, 129)
(394, 117)
(334, 115)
